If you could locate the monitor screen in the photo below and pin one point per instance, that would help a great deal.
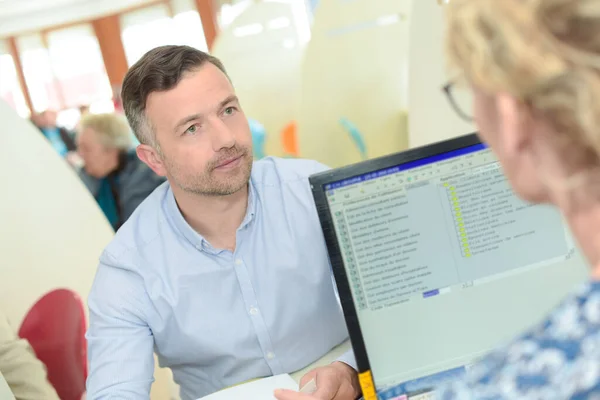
(445, 263)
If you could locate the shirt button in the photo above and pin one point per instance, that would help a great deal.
(238, 261)
(270, 355)
(253, 310)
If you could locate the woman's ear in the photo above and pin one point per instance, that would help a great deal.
(515, 124)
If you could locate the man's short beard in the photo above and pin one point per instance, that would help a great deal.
(204, 185)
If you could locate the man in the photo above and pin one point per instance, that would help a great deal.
(24, 373)
(118, 180)
(223, 270)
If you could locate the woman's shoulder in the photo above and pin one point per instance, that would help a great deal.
(559, 358)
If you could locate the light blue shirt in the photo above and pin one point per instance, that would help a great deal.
(216, 318)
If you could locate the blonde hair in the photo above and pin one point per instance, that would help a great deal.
(546, 53)
(113, 130)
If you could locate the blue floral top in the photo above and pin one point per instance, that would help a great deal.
(558, 359)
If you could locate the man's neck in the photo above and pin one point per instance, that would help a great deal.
(216, 218)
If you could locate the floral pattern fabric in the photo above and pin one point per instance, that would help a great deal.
(558, 359)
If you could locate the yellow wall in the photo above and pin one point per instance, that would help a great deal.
(431, 117)
(264, 68)
(379, 64)
(355, 67)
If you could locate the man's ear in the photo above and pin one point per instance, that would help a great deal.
(151, 158)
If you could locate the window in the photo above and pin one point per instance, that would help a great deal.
(78, 66)
(229, 12)
(37, 68)
(189, 27)
(9, 84)
(188, 24)
(153, 26)
(145, 29)
(68, 74)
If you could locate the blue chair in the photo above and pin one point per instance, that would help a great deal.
(356, 136)
(259, 137)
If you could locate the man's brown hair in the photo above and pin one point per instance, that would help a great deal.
(160, 69)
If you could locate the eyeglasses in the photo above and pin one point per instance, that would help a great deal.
(452, 98)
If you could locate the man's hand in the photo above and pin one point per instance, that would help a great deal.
(337, 381)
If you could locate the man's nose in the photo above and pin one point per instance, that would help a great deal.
(221, 136)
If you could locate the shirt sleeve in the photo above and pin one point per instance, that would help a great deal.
(120, 342)
(24, 373)
(348, 358)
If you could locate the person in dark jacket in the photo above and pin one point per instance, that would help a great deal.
(113, 173)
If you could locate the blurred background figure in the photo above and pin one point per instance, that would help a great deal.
(61, 139)
(113, 173)
(84, 109)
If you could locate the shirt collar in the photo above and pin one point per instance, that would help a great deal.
(194, 237)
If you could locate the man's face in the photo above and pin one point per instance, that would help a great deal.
(99, 161)
(204, 137)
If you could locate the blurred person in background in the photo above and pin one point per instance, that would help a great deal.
(24, 373)
(61, 139)
(113, 173)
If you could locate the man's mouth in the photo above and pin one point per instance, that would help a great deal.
(230, 162)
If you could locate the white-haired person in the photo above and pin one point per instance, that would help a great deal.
(534, 69)
(118, 180)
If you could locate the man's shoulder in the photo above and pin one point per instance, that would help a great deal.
(275, 170)
(142, 228)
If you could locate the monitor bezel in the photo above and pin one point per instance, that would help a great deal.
(317, 183)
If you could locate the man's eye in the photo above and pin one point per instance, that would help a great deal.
(192, 129)
(229, 110)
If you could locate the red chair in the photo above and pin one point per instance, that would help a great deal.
(55, 327)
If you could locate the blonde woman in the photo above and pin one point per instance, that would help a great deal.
(534, 69)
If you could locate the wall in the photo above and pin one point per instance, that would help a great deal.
(431, 117)
(355, 67)
(264, 62)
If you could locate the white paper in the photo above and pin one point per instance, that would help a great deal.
(261, 389)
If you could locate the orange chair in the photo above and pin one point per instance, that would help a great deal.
(55, 327)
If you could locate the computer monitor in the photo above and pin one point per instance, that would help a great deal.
(437, 262)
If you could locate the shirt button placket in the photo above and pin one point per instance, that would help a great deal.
(257, 320)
